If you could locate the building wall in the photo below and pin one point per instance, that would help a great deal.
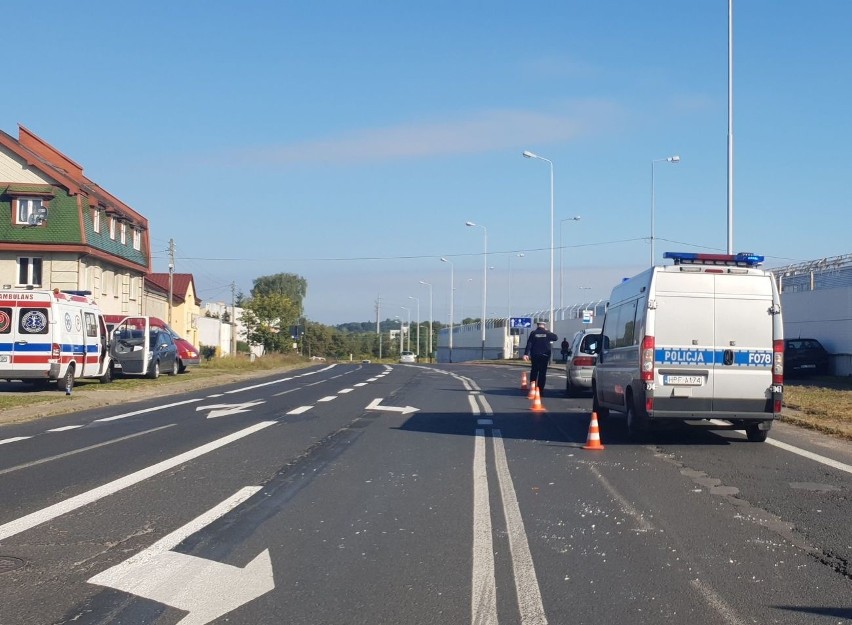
(825, 315)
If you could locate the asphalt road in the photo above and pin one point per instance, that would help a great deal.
(412, 494)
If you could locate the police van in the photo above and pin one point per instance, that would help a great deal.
(52, 337)
(699, 339)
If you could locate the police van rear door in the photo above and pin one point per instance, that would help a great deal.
(744, 322)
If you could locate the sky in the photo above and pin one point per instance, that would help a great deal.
(350, 142)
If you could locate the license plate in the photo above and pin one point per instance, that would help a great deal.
(4, 359)
(684, 380)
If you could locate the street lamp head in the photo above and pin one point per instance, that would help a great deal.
(674, 159)
(444, 260)
(528, 154)
(469, 223)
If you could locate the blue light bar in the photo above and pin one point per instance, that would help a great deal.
(742, 259)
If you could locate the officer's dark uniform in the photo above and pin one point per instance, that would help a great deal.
(538, 350)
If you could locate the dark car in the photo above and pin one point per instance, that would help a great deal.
(803, 357)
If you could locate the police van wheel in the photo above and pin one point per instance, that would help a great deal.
(755, 434)
(66, 382)
(602, 412)
(637, 425)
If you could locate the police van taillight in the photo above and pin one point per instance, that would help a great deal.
(777, 362)
(647, 359)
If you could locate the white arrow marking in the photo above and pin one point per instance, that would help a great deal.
(204, 588)
(220, 410)
(374, 405)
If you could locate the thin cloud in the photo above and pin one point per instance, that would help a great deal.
(487, 132)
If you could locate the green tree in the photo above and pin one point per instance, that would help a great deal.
(287, 284)
(267, 319)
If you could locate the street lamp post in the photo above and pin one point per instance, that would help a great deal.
(408, 310)
(417, 299)
(430, 318)
(668, 159)
(484, 278)
(452, 297)
(528, 154)
(561, 279)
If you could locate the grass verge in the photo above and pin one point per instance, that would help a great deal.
(823, 404)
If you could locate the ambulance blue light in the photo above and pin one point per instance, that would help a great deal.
(743, 259)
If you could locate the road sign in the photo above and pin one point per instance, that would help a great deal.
(520, 322)
(587, 316)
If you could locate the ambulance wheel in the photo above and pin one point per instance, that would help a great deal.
(106, 378)
(154, 371)
(637, 425)
(66, 382)
(755, 434)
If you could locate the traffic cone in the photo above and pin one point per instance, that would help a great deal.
(536, 406)
(524, 381)
(531, 394)
(594, 439)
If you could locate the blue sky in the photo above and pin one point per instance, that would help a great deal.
(348, 142)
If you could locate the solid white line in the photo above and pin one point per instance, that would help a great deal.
(328, 398)
(809, 454)
(715, 601)
(474, 407)
(526, 581)
(14, 440)
(300, 410)
(66, 428)
(154, 409)
(486, 407)
(483, 603)
(82, 449)
(644, 524)
(51, 512)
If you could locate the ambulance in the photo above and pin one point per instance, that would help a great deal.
(699, 339)
(52, 337)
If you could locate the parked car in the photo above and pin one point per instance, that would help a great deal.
(408, 357)
(581, 362)
(187, 353)
(139, 348)
(803, 357)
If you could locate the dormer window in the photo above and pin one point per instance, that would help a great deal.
(112, 228)
(96, 220)
(30, 211)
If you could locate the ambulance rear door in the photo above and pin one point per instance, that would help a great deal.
(25, 337)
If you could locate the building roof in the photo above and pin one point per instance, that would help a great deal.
(181, 283)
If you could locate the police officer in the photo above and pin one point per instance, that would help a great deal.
(538, 353)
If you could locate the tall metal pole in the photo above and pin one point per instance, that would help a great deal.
(408, 310)
(561, 271)
(484, 281)
(452, 302)
(529, 154)
(430, 318)
(417, 299)
(730, 126)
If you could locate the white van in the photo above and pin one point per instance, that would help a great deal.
(52, 336)
(699, 339)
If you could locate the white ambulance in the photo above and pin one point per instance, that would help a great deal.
(52, 336)
(699, 339)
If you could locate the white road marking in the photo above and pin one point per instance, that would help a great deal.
(526, 581)
(82, 449)
(328, 398)
(300, 410)
(715, 601)
(66, 428)
(483, 604)
(360, 384)
(146, 410)
(345, 390)
(644, 524)
(486, 407)
(809, 454)
(14, 440)
(474, 407)
(51, 512)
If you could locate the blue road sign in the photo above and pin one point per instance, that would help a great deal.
(520, 322)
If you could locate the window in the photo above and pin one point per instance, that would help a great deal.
(117, 285)
(134, 287)
(91, 324)
(96, 220)
(112, 228)
(28, 210)
(29, 271)
(137, 239)
(123, 230)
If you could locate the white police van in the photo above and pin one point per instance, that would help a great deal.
(699, 339)
(52, 336)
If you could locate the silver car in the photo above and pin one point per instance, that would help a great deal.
(581, 362)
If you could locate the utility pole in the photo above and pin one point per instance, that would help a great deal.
(233, 320)
(378, 325)
(171, 276)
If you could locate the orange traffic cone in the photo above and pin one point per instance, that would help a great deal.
(594, 439)
(536, 406)
(524, 381)
(531, 394)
